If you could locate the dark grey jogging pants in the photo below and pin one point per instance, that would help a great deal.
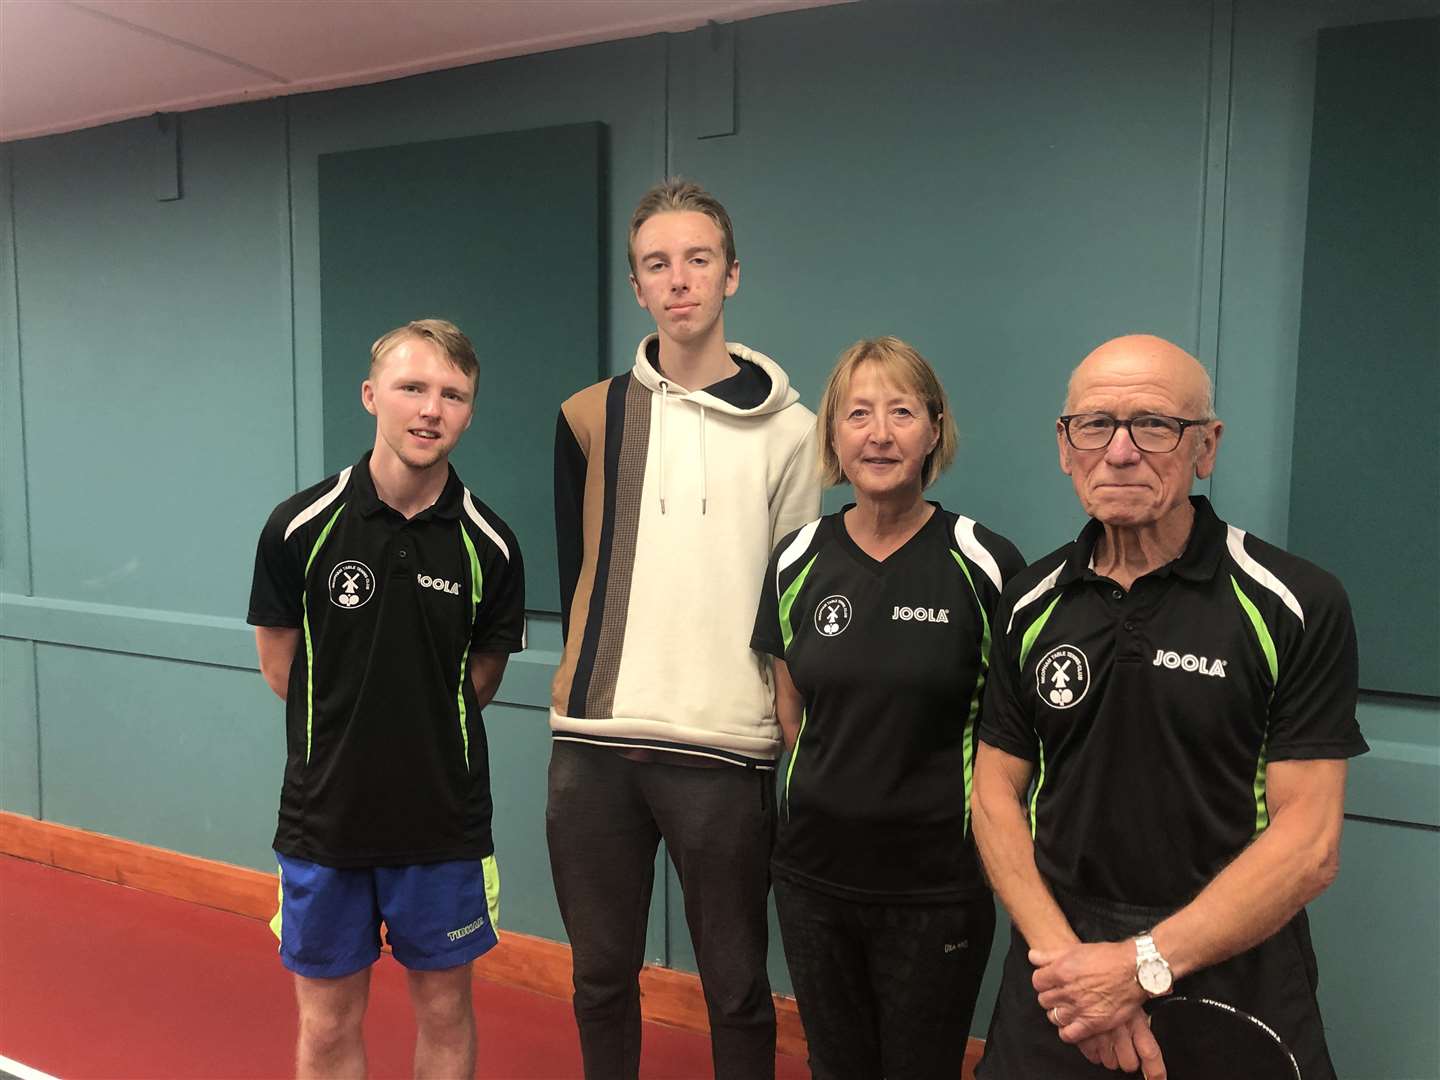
(605, 817)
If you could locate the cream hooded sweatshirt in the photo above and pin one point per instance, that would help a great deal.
(667, 504)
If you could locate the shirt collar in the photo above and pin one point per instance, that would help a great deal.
(1198, 562)
(368, 502)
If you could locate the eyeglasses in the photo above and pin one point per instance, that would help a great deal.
(1151, 432)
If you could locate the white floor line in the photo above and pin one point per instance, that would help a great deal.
(24, 1072)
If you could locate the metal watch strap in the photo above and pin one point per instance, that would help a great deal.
(1149, 962)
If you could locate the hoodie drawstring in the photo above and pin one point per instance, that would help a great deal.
(704, 460)
(704, 465)
(664, 401)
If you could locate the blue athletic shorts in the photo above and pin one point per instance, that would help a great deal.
(436, 915)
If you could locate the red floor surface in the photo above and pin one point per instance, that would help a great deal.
(98, 980)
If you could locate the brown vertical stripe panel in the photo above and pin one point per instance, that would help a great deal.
(630, 482)
(585, 413)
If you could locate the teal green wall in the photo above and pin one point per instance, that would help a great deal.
(459, 222)
(1006, 185)
(1372, 295)
(1005, 202)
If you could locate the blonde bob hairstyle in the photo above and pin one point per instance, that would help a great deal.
(900, 364)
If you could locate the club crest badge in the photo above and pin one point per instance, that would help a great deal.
(1062, 677)
(832, 615)
(351, 584)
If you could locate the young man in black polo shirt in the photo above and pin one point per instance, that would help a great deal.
(1182, 695)
(386, 602)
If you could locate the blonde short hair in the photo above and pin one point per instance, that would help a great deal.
(446, 336)
(900, 364)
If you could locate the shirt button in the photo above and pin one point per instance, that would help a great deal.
(1129, 625)
(404, 554)
(1118, 594)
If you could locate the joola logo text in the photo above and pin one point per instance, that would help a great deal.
(1189, 662)
(920, 614)
(438, 584)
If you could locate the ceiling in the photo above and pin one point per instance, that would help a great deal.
(68, 64)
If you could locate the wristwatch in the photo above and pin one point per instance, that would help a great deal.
(1151, 970)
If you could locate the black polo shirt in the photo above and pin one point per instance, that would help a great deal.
(387, 761)
(1151, 714)
(890, 658)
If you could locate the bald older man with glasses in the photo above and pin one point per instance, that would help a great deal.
(1160, 784)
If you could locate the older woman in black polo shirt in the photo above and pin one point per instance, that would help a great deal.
(878, 618)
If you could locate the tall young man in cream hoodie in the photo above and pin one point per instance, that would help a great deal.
(672, 484)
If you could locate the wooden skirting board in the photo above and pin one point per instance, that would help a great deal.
(667, 996)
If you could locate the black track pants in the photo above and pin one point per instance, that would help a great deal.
(884, 990)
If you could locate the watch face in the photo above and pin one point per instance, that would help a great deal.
(1153, 976)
